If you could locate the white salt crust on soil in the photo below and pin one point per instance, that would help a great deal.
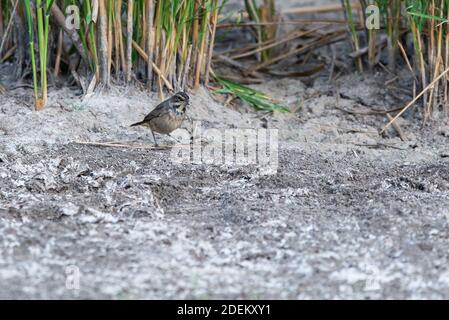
(347, 214)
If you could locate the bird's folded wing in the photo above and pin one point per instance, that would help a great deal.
(160, 110)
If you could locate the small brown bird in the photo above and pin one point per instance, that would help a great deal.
(167, 116)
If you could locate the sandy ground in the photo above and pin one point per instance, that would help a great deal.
(347, 214)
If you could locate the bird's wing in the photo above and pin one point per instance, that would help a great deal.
(157, 112)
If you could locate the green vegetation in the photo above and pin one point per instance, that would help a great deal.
(427, 23)
(169, 44)
(166, 43)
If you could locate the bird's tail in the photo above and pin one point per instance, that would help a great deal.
(137, 123)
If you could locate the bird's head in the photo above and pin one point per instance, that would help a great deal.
(181, 100)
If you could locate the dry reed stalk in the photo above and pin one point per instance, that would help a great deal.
(446, 64)
(195, 37)
(103, 43)
(142, 53)
(129, 40)
(110, 38)
(141, 64)
(425, 90)
(8, 27)
(122, 45)
(254, 16)
(8, 54)
(1, 20)
(351, 30)
(201, 51)
(129, 146)
(185, 76)
(60, 19)
(436, 63)
(212, 39)
(156, 42)
(58, 54)
(117, 65)
(150, 37)
(161, 63)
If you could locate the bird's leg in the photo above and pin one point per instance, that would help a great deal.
(154, 138)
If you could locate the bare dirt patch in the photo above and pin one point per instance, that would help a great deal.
(348, 214)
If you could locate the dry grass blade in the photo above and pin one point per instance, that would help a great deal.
(129, 146)
(426, 89)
